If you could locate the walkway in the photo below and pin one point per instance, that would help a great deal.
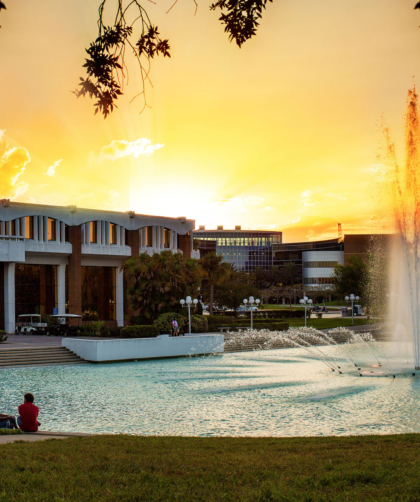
(38, 436)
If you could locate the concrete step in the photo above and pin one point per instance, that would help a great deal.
(64, 357)
(38, 356)
(20, 365)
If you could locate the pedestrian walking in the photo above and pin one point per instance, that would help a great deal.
(186, 326)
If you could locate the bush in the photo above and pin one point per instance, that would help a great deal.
(164, 322)
(265, 314)
(144, 331)
(199, 324)
(3, 336)
(272, 326)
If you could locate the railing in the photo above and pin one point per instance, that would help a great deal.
(11, 237)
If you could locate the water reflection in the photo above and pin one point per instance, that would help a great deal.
(266, 393)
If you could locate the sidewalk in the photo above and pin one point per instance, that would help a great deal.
(38, 436)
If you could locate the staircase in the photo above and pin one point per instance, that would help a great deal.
(38, 356)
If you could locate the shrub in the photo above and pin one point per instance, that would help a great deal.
(3, 336)
(199, 324)
(272, 326)
(164, 322)
(265, 314)
(144, 331)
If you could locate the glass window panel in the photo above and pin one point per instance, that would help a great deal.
(29, 227)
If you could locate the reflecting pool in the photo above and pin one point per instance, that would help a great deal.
(286, 392)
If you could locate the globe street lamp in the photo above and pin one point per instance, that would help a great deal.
(187, 303)
(352, 298)
(305, 302)
(251, 304)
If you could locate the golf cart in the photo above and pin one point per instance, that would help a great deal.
(60, 323)
(30, 324)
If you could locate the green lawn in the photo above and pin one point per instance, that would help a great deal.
(127, 468)
(329, 323)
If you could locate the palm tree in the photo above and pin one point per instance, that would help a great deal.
(214, 270)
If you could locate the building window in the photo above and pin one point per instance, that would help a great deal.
(29, 227)
(112, 233)
(93, 232)
(66, 233)
(98, 293)
(51, 229)
(149, 237)
(167, 238)
(35, 289)
(12, 227)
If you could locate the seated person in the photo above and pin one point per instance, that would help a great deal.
(7, 422)
(27, 420)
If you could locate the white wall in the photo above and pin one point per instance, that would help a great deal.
(322, 272)
(144, 348)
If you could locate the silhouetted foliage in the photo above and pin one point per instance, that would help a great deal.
(240, 17)
(105, 65)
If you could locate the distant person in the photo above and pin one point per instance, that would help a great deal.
(28, 412)
(7, 422)
(186, 326)
(175, 327)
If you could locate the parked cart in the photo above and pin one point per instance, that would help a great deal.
(30, 324)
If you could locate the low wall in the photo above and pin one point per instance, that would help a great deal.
(144, 348)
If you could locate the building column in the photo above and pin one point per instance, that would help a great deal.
(185, 244)
(9, 297)
(119, 296)
(2, 297)
(61, 288)
(75, 271)
(45, 229)
(133, 240)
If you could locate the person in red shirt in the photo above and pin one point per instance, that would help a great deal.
(27, 420)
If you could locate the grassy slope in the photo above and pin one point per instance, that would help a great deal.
(124, 468)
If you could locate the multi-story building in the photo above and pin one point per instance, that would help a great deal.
(68, 259)
(314, 259)
(245, 249)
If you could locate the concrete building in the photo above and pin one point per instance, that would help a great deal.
(69, 259)
(316, 259)
(245, 249)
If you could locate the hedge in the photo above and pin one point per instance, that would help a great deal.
(220, 320)
(272, 326)
(199, 323)
(139, 332)
(265, 314)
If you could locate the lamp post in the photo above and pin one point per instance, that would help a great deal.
(305, 301)
(251, 304)
(352, 298)
(187, 303)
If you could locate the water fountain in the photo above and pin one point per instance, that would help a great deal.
(404, 193)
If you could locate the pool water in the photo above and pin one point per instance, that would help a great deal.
(283, 392)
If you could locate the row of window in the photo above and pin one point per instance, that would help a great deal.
(11, 229)
(319, 264)
(242, 241)
(317, 280)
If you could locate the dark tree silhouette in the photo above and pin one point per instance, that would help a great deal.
(133, 30)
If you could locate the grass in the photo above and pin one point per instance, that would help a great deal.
(126, 468)
(329, 323)
(8, 432)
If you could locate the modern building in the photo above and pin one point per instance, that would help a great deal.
(68, 259)
(315, 259)
(245, 249)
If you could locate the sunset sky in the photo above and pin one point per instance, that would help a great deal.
(281, 134)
